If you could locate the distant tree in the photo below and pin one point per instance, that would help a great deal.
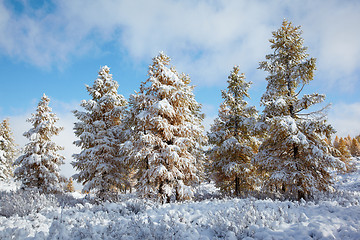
(39, 166)
(355, 148)
(345, 154)
(295, 155)
(233, 139)
(98, 163)
(69, 187)
(8, 150)
(336, 142)
(343, 148)
(164, 147)
(348, 140)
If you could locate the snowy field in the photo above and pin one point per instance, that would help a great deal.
(334, 216)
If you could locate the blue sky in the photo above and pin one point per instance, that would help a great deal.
(56, 47)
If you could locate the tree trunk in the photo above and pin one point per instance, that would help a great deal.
(160, 191)
(301, 193)
(237, 186)
(177, 195)
(296, 151)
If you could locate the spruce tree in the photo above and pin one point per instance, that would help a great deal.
(166, 134)
(39, 166)
(233, 140)
(8, 150)
(295, 155)
(98, 163)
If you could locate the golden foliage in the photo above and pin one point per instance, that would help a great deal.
(69, 187)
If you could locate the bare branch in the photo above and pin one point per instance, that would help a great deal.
(300, 90)
(317, 114)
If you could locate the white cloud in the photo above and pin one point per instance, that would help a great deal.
(331, 32)
(210, 112)
(345, 118)
(205, 38)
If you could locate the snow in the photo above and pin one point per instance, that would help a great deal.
(164, 107)
(9, 185)
(331, 216)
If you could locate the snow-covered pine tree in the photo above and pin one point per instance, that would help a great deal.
(39, 166)
(233, 139)
(8, 150)
(166, 134)
(98, 129)
(295, 155)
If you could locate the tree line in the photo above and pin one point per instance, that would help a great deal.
(155, 141)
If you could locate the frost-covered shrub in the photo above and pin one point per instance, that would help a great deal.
(23, 202)
(207, 191)
(138, 205)
(101, 198)
(58, 231)
(67, 200)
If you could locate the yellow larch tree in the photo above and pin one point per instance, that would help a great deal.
(166, 134)
(295, 155)
(232, 139)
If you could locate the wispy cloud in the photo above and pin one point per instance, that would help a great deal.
(345, 118)
(206, 38)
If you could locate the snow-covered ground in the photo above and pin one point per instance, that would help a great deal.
(334, 216)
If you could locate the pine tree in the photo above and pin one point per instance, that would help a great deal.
(8, 150)
(166, 134)
(39, 166)
(98, 163)
(233, 139)
(295, 155)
